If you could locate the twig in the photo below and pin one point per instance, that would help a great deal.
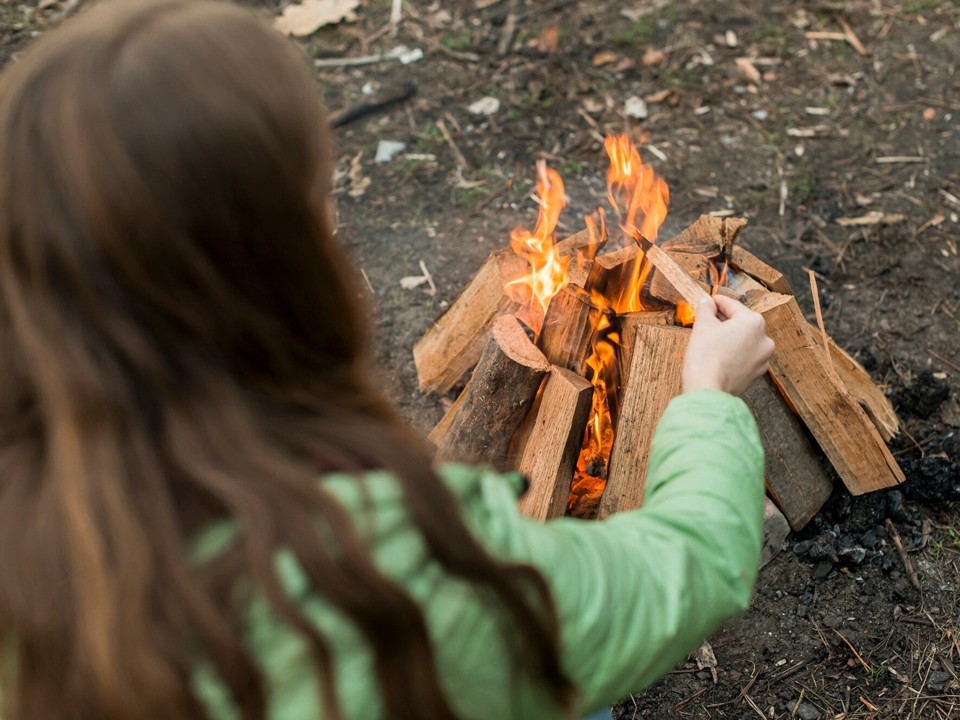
(854, 650)
(457, 155)
(508, 31)
(355, 112)
(852, 37)
(901, 551)
(823, 331)
(890, 159)
(395, 13)
(366, 279)
(944, 360)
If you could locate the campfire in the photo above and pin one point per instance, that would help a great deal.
(576, 347)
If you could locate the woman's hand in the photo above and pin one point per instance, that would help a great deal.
(728, 349)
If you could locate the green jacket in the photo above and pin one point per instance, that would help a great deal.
(635, 592)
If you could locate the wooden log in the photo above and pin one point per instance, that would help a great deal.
(689, 290)
(452, 345)
(796, 478)
(710, 236)
(834, 417)
(694, 265)
(858, 381)
(629, 322)
(768, 276)
(609, 270)
(775, 531)
(496, 399)
(654, 379)
(549, 455)
(441, 428)
(568, 329)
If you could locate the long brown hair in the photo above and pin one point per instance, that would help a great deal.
(180, 342)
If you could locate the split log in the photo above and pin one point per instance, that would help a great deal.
(452, 345)
(710, 236)
(442, 427)
(689, 290)
(611, 271)
(629, 323)
(654, 379)
(497, 398)
(568, 329)
(834, 417)
(696, 267)
(775, 531)
(768, 276)
(858, 381)
(549, 455)
(796, 478)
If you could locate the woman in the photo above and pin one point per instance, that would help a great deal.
(206, 511)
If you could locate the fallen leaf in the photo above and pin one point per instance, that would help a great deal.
(593, 106)
(748, 70)
(668, 96)
(412, 281)
(358, 181)
(484, 106)
(929, 114)
(706, 659)
(653, 57)
(308, 16)
(604, 57)
(549, 40)
(731, 38)
(874, 217)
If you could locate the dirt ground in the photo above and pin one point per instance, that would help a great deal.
(797, 116)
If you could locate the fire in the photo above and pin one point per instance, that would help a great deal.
(640, 198)
(548, 271)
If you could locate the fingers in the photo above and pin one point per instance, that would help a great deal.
(728, 306)
(706, 312)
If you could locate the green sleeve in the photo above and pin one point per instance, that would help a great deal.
(638, 591)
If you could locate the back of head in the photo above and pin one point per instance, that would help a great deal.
(179, 342)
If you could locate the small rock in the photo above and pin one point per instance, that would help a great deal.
(802, 547)
(635, 107)
(760, 114)
(822, 570)
(806, 711)
(856, 555)
(938, 680)
(869, 540)
(386, 149)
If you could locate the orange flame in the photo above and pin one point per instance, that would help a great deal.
(638, 195)
(548, 271)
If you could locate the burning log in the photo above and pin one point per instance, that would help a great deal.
(696, 267)
(568, 328)
(608, 271)
(549, 453)
(497, 398)
(857, 380)
(796, 478)
(653, 379)
(452, 345)
(827, 408)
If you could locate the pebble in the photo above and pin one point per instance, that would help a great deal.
(822, 570)
(938, 680)
(856, 555)
(806, 711)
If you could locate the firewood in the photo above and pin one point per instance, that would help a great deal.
(497, 398)
(550, 452)
(769, 277)
(775, 531)
(452, 345)
(610, 270)
(629, 322)
(687, 288)
(441, 428)
(653, 380)
(709, 236)
(847, 436)
(858, 381)
(694, 265)
(568, 329)
(796, 478)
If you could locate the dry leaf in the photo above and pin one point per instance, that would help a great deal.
(308, 16)
(549, 41)
(748, 70)
(871, 218)
(411, 281)
(358, 181)
(653, 57)
(668, 96)
(706, 658)
(604, 57)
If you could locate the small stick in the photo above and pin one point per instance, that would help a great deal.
(852, 37)
(395, 12)
(457, 155)
(686, 286)
(901, 551)
(853, 649)
(944, 360)
(356, 112)
(816, 306)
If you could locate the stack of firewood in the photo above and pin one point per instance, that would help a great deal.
(527, 403)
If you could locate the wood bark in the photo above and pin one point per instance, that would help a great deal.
(568, 329)
(549, 455)
(496, 399)
(795, 474)
(834, 417)
(654, 379)
(452, 345)
(858, 381)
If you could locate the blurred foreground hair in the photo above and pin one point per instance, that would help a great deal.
(180, 342)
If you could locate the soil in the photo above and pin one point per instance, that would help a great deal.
(808, 133)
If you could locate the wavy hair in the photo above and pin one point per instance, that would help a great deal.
(181, 342)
